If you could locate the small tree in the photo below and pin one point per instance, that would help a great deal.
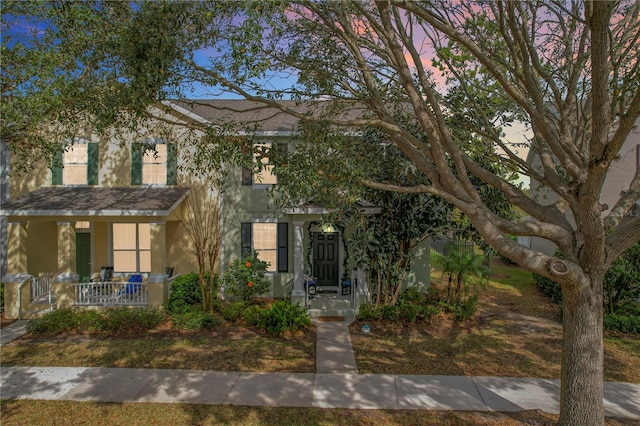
(201, 218)
(460, 267)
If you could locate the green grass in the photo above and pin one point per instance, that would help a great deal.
(517, 332)
(23, 412)
(226, 349)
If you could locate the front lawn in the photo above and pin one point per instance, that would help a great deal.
(23, 412)
(516, 332)
(226, 348)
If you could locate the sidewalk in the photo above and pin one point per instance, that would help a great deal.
(321, 389)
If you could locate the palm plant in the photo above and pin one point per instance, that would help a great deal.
(460, 267)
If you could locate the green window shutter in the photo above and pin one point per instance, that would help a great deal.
(136, 165)
(172, 164)
(92, 164)
(56, 168)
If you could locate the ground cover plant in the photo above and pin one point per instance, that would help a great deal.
(516, 332)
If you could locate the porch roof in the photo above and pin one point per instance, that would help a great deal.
(96, 201)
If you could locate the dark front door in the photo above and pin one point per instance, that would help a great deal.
(325, 258)
(83, 255)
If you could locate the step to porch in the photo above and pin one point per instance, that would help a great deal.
(331, 305)
(44, 300)
(322, 313)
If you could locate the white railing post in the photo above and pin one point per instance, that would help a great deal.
(26, 279)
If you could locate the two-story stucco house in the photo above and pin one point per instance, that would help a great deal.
(110, 205)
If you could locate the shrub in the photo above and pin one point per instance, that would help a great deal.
(409, 312)
(1, 297)
(196, 320)
(233, 311)
(432, 297)
(464, 309)
(54, 322)
(621, 283)
(251, 314)
(390, 312)
(370, 312)
(185, 294)
(245, 278)
(411, 296)
(427, 311)
(622, 323)
(282, 317)
(89, 320)
(460, 266)
(549, 288)
(132, 319)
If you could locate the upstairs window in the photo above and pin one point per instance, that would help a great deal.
(76, 164)
(266, 176)
(154, 163)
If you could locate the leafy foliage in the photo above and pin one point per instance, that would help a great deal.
(110, 321)
(415, 306)
(196, 320)
(245, 278)
(283, 317)
(622, 281)
(232, 312)
(55, 322)
(132, 319)
(252, 313)
(621, 284)
(549, 288)
(185, 294)
(460, 267)
(622, 323)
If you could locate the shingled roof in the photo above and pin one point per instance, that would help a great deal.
(244, 114)
(96, 201)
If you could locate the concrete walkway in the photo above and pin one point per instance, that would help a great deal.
(339, 388)
(334, 352)
(13, 331)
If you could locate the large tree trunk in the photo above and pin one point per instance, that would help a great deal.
(581, 397)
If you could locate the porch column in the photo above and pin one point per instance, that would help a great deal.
(16, 248)
(158, 247)
(158, 281)
(298, 295)
(67, 252)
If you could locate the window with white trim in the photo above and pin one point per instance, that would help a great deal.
(131, 247)
(74, 163)
(266, 176)
(154, 164)
(269, 240)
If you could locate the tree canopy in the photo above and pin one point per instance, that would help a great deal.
(567, 69)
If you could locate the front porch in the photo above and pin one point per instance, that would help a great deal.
(27, 296)
(324, 280)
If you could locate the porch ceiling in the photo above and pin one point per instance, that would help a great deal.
(94, 201)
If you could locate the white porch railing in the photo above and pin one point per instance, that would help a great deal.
(110, 293)
(41, 288)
